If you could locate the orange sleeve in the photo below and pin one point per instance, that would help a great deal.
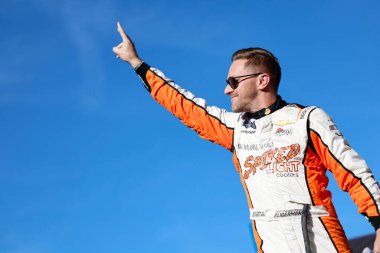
(211, 123)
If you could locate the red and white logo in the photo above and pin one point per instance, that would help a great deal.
(281, 132)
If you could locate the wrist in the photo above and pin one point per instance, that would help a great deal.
(135, 62)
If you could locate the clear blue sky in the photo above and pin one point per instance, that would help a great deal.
(90, 163)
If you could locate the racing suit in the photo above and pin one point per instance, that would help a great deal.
(281, 154)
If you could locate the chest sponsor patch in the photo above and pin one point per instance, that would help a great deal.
(278, 161)
(281, 132)
(283, 122)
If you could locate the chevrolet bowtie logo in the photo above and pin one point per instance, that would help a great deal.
(283, 122)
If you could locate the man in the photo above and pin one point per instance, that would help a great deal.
(280, 150)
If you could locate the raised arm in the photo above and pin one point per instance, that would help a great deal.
(210, 122)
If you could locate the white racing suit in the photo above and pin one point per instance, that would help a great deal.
(281, 154)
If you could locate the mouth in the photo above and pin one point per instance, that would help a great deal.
(233, 96)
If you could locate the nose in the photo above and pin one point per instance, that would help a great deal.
(228, 90)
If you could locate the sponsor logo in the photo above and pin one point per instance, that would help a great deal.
(304, 112)
(288, 213)
(334, 128)
(276, 214)
(278, 160)
(248, 131)
(256, 147)
(257, 214)
(284, 169)
(287, 174)
(281, 132)
(283, 122)
(249, 124)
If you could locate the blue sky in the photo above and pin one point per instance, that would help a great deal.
(90, 163)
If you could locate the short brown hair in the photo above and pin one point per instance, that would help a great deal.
(262, 58)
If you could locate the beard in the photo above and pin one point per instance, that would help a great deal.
(237, 107)
(239, 104)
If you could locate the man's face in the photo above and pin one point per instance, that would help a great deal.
(243, 97)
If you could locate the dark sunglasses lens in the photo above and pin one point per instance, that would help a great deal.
(232, 82)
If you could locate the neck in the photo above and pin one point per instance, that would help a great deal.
(263, 100)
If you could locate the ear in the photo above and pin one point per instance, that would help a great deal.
(264, 80)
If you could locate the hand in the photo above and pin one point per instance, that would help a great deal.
(376, 246)
(126, 50)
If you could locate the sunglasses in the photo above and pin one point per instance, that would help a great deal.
(233, 82)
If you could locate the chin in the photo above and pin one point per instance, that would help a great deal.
(234, 109)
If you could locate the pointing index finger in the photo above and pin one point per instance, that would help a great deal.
(122, 33)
